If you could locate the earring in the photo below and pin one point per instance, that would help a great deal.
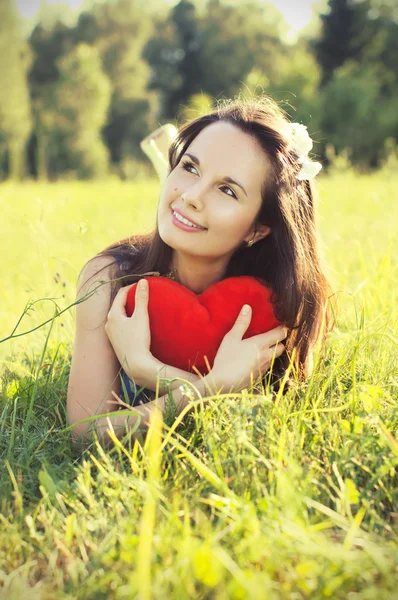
(250, 242)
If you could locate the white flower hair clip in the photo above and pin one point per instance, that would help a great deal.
(300, 144)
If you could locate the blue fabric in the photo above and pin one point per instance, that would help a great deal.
(131, 394)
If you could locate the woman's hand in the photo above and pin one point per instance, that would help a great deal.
(131, 336)
(131, 341)
(237, 359)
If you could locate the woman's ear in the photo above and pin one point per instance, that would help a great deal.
(261, 232)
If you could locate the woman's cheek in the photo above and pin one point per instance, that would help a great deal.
(231, 216)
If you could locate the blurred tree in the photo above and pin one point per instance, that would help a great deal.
(236, 41)
(296, 82)
(83, 97)
(227, 52)
(189, 65)
(49, 44)
(119, 31)
(168, 61)
(354, 114)
(173, 54)
(198, 105)
(15, 111)
(3, 156)
(212, 52)
(294, 86)
(382, 48)
(344, 33)
(385, 8)
(357, 53)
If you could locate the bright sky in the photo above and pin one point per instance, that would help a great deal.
(29, 7)
(297, 13)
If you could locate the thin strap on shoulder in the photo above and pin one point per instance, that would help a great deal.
(119, 260)
(120, 255)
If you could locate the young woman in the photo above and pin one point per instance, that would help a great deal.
(240, 177)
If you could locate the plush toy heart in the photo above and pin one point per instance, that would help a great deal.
(186, 327)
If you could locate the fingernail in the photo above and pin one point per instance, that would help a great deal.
(245, 309)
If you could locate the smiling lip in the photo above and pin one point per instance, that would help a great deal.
(182, 225)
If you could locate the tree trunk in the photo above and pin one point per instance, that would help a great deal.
(16, 151)
(41, 158)
(3, 161)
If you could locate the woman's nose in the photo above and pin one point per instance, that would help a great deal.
(193, 203)
(194, 197)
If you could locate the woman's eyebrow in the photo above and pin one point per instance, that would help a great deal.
(226, 178)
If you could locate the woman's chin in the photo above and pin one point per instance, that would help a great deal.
(166, 236)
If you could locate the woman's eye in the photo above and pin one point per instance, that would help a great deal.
(233, 193)
(187, 166)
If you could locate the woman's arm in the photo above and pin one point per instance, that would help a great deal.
(139, 422)
(156, 371)
(95, 369)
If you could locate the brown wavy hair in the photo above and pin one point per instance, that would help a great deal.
(288, 259)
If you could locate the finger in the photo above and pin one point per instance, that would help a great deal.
(275, 352)
(271, 354)
(278, 350)
(242, 322)
(141, 296)
(270, 338)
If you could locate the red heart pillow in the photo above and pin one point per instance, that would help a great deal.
(186, 326)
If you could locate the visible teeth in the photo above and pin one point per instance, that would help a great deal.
(180, 218)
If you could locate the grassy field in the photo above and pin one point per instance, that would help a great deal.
(250, 498)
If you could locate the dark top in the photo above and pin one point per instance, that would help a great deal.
(131, 394)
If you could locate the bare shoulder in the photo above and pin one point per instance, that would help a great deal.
(96, 270)
(94, 288)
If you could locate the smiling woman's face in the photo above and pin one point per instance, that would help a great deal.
(198, 190)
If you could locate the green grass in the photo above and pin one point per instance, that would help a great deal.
(248, 498)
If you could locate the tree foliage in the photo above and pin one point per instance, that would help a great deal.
(119, 31)
(15, 110)
(359, 117)
(83, 97)
(345, 33)
(356, 106)
(98, 85)
(174, 57)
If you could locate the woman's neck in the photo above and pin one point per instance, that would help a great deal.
(197, 274)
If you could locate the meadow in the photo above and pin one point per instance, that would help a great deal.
(249, 496)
